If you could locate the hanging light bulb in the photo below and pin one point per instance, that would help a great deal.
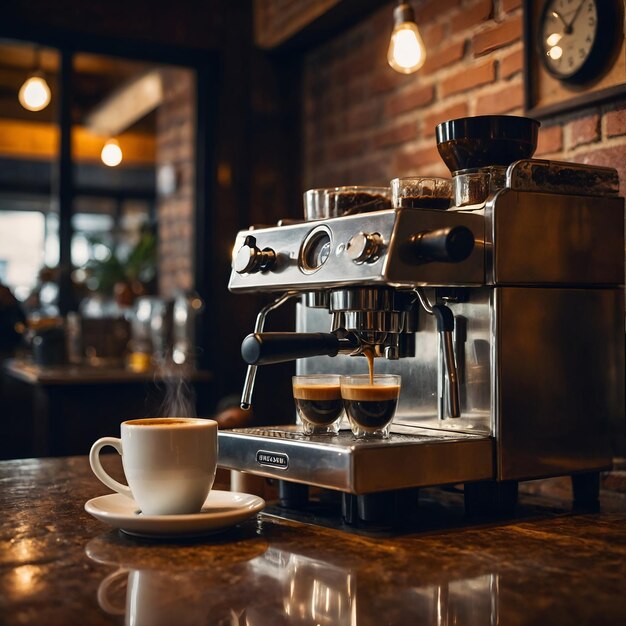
(111, 154)
(34, 94)
(406, 49)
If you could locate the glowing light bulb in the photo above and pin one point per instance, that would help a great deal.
(111, 154)
(553, 39)
(407, 52)
(555, 53)
(34, 94)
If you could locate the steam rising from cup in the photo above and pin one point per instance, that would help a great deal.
(180, 398)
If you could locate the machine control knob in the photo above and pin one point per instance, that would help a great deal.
(364, 247)
(446, 245)
(249, 259)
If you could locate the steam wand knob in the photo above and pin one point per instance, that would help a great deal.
(364, 247)
(250, 259)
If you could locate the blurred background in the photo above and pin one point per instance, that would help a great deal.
(131, 146)
(137, 138)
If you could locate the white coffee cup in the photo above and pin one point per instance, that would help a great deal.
(169, 463)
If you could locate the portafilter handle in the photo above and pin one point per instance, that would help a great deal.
(267, 348)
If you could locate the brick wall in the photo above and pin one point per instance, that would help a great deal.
(175, 211)
(365, 123)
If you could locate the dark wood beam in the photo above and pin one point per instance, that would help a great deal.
(335, 20)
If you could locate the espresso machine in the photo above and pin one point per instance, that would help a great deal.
(504, 316)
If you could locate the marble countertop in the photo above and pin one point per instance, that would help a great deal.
(58, 565)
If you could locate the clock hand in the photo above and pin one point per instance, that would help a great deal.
(561, 18)
(570, 27)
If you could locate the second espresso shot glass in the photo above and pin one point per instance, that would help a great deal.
(318, 402)
(370, 406)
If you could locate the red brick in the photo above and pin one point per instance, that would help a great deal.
(430, 11)
(468, 78)
(449, 113)
(184, 281)
(359, 62)
(368, 172)
(614, 481)
(608, 157)
(346, 149)
(472, 16)
(550, 140)
(395, 135)
(501, 35)
(616, 123)
(437, 60)
(512, 63)
(362, 116)
(356, 91)
(432, 34)
(509, 5)
(408, 100)
(504, 100)
(583, 131)
(388, 79)
(329, 176)
(414, 160)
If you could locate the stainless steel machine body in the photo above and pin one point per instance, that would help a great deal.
(537, 345)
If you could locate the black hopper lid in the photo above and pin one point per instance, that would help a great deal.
(471, 142)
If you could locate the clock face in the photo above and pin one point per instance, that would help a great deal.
(569, 30)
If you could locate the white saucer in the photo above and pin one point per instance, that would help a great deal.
(221, 510)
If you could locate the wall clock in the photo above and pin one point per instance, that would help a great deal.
(577, 37)
(574, 53)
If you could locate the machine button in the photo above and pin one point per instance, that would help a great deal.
(250, 259)
(364, 247)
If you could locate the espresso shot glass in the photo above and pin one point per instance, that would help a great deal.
(370, 407)
(318, 402)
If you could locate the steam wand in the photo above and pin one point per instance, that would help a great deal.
(445, 327)
(248, 386)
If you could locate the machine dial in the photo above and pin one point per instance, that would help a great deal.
(364, 247)
(315, 250)
(250, 259)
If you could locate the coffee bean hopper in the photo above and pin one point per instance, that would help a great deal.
(504, 315)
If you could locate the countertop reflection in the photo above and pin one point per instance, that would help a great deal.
(60, 566)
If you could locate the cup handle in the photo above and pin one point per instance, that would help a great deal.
(98, 470)
(103, 593)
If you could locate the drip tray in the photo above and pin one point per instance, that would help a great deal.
(411, 457)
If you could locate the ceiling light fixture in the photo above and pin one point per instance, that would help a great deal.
(407, 53)
(111, 154)
(34, 94)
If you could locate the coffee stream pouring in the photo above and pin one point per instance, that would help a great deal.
(483, 309)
